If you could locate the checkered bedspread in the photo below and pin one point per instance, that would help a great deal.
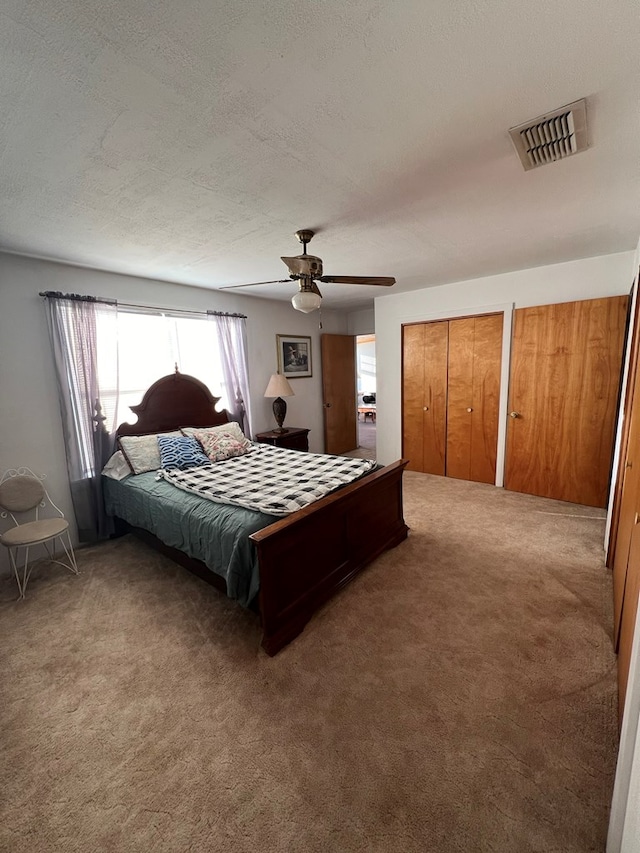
(270, 479)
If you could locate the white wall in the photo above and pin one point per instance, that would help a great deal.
(30, 426)
(590, 278)
(361, 322)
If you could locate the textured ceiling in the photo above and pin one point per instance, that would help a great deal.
(188, 141)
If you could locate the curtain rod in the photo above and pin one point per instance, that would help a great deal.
(57, 294)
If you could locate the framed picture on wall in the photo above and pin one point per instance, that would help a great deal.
(294, 356)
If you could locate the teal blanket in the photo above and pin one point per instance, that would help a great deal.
(217, 534)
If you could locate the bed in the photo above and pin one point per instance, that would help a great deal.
(297, 562)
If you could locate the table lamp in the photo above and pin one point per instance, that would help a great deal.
(279, 387)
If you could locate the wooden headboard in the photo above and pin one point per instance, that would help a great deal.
(175, 401)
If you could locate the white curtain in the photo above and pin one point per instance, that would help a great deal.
(88, 438)
(231, 334)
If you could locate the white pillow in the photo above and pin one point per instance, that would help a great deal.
(232, 428)
(142, 451)
(117, 467)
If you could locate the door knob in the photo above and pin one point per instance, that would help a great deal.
(327, 405)
(425, 408)
(469, 409)
(514, 415)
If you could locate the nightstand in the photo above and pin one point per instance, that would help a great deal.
(293, 438)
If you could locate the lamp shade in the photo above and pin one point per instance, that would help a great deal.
(278, 387)
(306, 301)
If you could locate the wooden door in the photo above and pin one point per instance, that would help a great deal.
(627, 415)
(339, 393)
(628, 616)
(565, 377)
(475, 359)
(424, 399)
(629, 500)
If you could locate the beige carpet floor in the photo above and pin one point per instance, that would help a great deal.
(366, 440)
(458, 696)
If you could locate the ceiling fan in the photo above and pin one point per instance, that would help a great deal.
(307, 270)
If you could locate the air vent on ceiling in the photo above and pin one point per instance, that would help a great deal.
(552, 136)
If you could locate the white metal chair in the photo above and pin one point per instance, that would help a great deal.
(24, 499)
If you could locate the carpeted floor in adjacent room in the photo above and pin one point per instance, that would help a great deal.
(366, 448)
(459, 695)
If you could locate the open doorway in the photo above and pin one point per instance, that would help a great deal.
(366, 389)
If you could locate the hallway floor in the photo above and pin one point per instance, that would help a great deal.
(366, 441)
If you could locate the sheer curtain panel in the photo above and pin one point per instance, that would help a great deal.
(231, 334)
(73, 328)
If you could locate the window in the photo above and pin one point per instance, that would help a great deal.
(149, 346)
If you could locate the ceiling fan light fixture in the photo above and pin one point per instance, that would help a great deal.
(306, 301)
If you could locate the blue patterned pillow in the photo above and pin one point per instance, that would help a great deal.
(180, 451)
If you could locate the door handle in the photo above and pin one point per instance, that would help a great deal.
(469, 409)
(514, 415)
(425, 408)
(327, 405)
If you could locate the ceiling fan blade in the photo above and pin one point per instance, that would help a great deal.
(358, 279)
(256, 283)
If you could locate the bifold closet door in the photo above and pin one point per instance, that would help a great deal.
(563, 397)
(628, 616)
(424, 403)
(475, 359)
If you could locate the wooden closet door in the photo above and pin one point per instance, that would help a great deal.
(424, 368)
(630, 498)
(460, 398)
(628, 616)
(487, 367)
(565, 377)
(626, 416)
(475, 359)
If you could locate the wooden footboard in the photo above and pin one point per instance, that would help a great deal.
(307, 557)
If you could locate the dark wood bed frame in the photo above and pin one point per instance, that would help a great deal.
(304, 558)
